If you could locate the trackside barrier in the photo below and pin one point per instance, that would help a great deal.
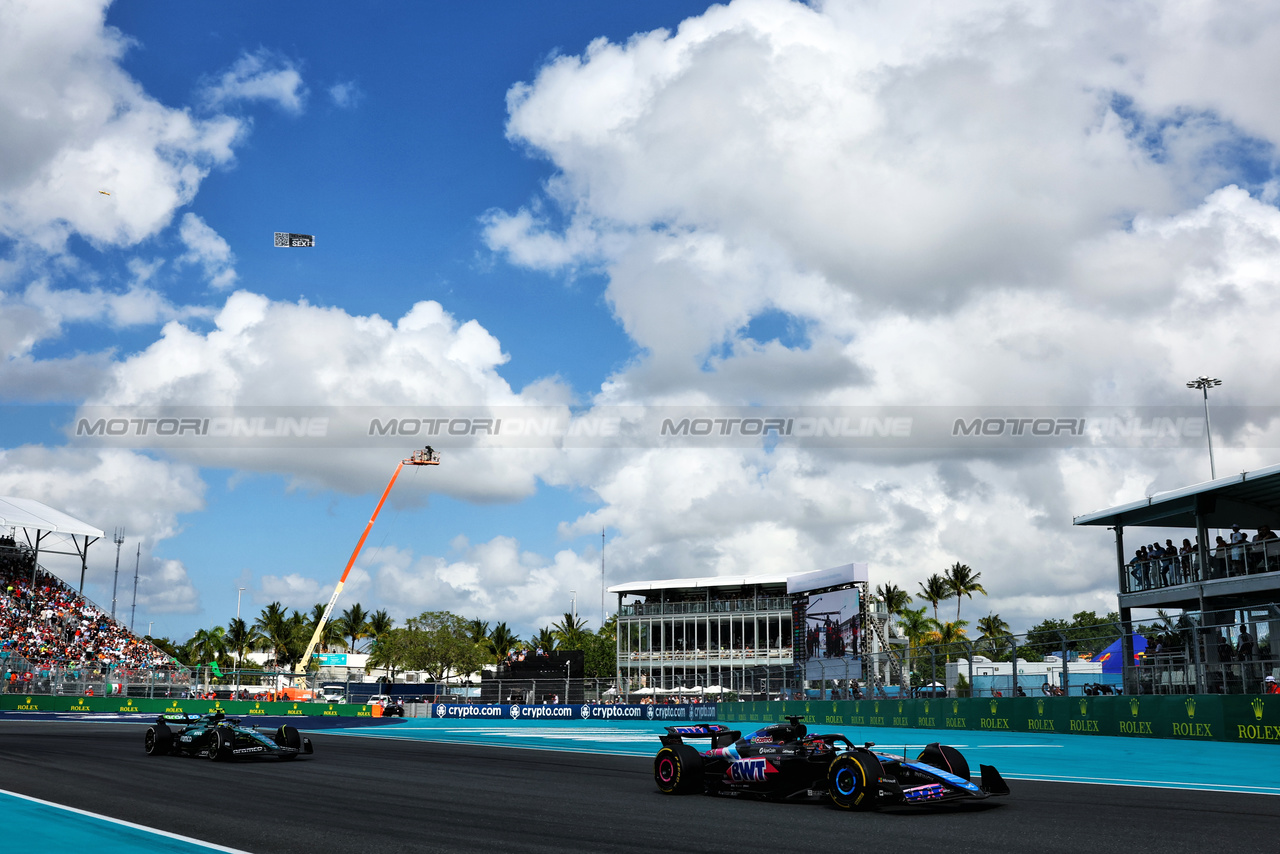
(575, 712)
(1201, 717)
(251, 708)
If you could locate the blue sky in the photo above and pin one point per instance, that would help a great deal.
(584, 206)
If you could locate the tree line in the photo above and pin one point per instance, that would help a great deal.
(438, 643)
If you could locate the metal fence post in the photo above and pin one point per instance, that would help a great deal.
(1198, 663)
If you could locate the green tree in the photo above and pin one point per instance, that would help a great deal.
(601, 652)
(570, 632)
(241, 639)
(917, 628)
(992, 628)
(439, 643)
(379, 622)
(355, 625)
(502, 641)
(478, 631)
(207, 645)
(933, 591)
(893, 597)
(963, 581)
(390, 652)
(950, 635)
(545, 640)
(287, 635)
(331, 635)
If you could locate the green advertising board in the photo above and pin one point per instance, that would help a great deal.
(174, 706)
(1203, 717)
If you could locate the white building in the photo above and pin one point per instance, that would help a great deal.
(736, 633)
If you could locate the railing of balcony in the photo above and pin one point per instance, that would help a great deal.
(1235, 560)
(715, 606)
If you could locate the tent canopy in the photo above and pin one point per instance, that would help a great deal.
(1112, 659)
(28, 513)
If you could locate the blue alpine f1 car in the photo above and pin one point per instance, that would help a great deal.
(221, 738)
(786, 762)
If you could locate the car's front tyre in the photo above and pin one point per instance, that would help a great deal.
(287, 736)
(220, 746)
(677, 769)
(853, 781)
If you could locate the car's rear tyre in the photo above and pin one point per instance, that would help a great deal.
(220, 746)
(158, 740)
(677, 769)
(853, 781)
(945, 757)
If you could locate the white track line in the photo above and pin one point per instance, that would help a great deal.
(212, 846)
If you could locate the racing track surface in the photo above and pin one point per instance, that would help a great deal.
(372, 795)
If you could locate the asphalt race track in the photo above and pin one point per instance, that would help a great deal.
(372, 795)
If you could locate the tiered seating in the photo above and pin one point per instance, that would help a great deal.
(50, 625)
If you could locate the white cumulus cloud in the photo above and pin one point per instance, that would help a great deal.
(73, 123)
(259, 76)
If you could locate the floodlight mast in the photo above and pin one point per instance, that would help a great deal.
(425, 457)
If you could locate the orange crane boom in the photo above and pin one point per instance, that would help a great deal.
(425, 457)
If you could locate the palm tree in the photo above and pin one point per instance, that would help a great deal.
(916, 627)
(208, 644)
(502, 641)
(274, 625)
(951, 634)
(478, 631)
(545, 640)
(933, 591)
(992, 627)
(963, 581)
(571, 632)
(331, 635)
(354, 625)
(241, 639)
(893, 597)
(379, 624)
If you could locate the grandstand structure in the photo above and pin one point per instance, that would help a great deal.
(52, 638)
(749, 635)
(1225, 593)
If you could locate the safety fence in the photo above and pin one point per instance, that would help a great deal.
(1204, 718)
(21, 676)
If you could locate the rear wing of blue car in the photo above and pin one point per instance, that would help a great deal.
(720, 735)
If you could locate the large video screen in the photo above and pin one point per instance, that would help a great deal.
(831, 636)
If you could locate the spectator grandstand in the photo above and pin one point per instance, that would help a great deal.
(53, 638)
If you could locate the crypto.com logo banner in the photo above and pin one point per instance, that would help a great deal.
(449, 427)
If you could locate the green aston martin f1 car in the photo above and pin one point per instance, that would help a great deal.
(221, 738)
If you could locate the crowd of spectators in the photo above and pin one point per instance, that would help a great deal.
(1156, 565)
(51, 626)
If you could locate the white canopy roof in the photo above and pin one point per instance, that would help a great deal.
(795, 581)
(28, 513)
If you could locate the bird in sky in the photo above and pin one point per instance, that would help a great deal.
(104, 192)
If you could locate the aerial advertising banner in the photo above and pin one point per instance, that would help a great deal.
(286, 240)
(575, 712)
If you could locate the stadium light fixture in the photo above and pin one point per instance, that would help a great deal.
(1204, 384)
